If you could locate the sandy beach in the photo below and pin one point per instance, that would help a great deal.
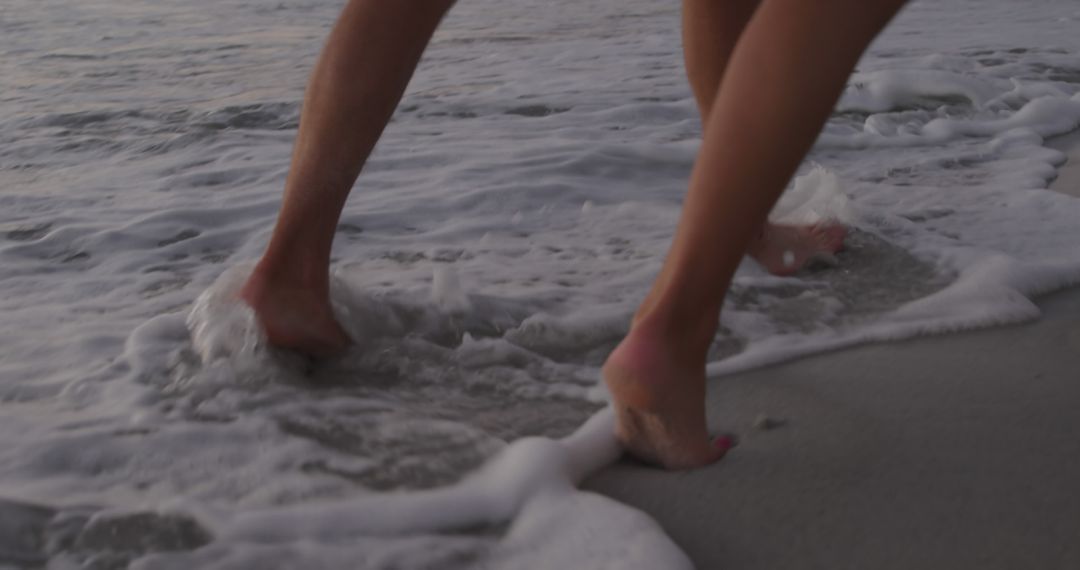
(947, 452)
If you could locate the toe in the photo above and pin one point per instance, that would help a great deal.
(706, 454)
(831, 237)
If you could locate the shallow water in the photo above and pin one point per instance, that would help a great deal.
(511, 217)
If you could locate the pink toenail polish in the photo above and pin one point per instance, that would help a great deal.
(724, 442)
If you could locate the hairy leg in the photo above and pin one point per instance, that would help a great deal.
(360, 77)
(784, 76)
(711, 29)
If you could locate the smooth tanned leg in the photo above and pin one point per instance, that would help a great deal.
(784, 75)
(711, 29)
(360, 77)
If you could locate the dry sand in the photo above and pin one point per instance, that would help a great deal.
(950, 452)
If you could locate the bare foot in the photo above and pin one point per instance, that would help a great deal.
(295, 318)
(784, 250)
(659, 402)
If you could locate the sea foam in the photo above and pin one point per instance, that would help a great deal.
(498, 242)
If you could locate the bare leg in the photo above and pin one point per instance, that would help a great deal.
(710, 31)
(784, 76)
(358, 81)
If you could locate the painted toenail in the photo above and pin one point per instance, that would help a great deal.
(724, 442)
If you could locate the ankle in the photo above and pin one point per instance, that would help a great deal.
(273, 274)
(686, 336)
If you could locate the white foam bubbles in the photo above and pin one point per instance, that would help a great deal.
(548, 178)
(446, 290)
(530, 484)
(815, 197)
(221, 325)
(886, 90)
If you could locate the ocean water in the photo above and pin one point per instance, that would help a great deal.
(492, 253)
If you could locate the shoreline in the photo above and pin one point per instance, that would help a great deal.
(945, 452)
(949, 452)
(1068, 177)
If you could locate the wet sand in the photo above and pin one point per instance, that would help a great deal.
(949, 452)
(1068, 179)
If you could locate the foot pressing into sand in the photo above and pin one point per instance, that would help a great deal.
(295, 316)
(784, 250)
(659, 401)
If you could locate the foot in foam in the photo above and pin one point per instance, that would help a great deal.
(659, 402)
(784, 250)
(294, 317)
